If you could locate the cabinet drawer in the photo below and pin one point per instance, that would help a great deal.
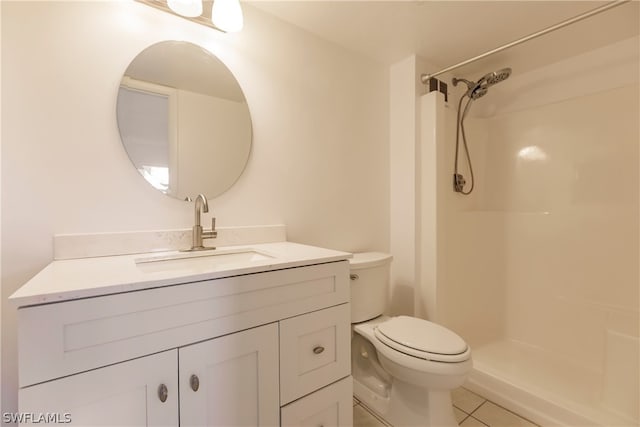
(328, 407)
(314, 351)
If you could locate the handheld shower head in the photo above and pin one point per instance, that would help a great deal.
(475, 90)
(495, 77)
(479, 89)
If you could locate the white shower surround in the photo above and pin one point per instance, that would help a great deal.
(538, 268)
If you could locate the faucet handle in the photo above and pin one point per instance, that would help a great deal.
(211, 234)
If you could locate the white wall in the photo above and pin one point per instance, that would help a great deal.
(412, 279)
(319, 163)
(1, 299)
(402, 155)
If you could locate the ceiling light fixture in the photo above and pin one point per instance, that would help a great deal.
(222, 15)
(227, 15)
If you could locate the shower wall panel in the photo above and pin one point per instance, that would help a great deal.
(566, 176)
(461, 248)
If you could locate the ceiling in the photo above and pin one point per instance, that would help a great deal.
(447, 32)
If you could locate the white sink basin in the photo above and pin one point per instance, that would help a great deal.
(200, 261)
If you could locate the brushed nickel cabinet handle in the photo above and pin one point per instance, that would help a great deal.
(194, 382)
(163, 393)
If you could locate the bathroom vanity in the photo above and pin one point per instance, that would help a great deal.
(255, 335)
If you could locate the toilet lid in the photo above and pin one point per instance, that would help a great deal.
(422, 338)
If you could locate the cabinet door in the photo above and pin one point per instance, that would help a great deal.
(231, 380)
(331, 406)
(125, 394)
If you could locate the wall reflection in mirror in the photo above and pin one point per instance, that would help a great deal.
(184, 120)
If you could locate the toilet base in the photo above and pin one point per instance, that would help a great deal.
(408, 405)
(372, 400)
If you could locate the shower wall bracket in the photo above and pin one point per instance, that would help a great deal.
(434, 84)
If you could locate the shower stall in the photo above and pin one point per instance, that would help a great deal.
(538, 268)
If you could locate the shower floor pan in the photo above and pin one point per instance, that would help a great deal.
(546, 390)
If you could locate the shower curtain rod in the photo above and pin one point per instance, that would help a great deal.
(425, 77)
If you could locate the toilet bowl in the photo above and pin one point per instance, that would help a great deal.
(404, 368)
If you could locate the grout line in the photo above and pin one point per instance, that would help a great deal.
(511, 412)
(478, 420)
(476, 408)
(374, 415)
(460, 409)
(467, 415)
(479, 406)
(481, 422)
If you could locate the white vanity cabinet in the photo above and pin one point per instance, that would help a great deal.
(226, 381)
(257, 349)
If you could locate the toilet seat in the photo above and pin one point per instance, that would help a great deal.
(422, 339)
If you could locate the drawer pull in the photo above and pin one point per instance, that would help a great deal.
(354, 276)
(319, 349)
(194, 382)
(163, 393)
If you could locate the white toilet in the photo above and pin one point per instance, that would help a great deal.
(404, 368)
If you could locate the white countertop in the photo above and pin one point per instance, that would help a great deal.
(70, 279)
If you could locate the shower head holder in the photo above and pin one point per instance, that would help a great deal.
(470, 85)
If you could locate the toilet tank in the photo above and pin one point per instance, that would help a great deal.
(369, 285)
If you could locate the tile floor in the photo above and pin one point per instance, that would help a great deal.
(471, 410)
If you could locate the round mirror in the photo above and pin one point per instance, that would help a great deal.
(184, 120)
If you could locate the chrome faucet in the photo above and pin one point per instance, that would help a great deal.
(201, 205)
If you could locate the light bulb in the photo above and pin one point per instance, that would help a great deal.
(227, 15)
(188, 8)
